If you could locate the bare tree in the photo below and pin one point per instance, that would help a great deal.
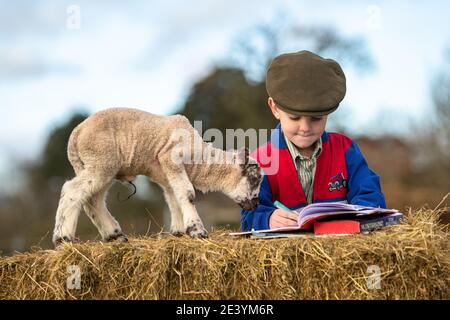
(431, 135)
(255, 47)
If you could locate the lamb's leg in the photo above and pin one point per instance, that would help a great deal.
(100, 216)
(176, 217)
(184, 194)
(75, 193)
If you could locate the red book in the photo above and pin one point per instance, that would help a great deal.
(337, 227)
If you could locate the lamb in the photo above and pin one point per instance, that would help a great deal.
(121, 143)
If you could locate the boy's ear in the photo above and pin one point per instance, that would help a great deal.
(273, 107)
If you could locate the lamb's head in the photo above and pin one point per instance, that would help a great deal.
(245, 181)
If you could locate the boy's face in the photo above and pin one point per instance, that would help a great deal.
(303, 131)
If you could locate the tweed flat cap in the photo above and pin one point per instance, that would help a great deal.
(304, 83)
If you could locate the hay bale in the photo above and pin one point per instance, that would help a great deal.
(413, 260)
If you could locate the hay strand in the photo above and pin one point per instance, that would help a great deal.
(413, 260)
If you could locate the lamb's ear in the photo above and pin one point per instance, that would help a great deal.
(243, 155)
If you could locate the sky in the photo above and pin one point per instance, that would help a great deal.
(60, 56)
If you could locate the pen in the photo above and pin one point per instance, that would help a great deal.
(281, 206)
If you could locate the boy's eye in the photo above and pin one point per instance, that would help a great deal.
(294, 118)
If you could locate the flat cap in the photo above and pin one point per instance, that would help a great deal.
(304, 83)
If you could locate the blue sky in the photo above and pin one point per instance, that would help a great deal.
(147, 54)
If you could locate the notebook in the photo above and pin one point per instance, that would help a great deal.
(369, 218)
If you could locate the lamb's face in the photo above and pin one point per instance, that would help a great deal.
(246, 193)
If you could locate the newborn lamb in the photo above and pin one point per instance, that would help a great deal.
(121, 143)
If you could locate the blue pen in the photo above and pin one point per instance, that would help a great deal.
(281, 206)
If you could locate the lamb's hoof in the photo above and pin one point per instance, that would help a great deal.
(59, 242)
(177, 233)
(196, 231)
(117, 237)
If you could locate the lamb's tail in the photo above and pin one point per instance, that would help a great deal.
(72, 151)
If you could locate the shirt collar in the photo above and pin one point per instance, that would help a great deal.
(296, 153)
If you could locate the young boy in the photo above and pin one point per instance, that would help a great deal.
(303, 163)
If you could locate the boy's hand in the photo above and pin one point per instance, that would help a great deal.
(281, 218)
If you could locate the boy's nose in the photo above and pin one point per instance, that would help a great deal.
(304, 124)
